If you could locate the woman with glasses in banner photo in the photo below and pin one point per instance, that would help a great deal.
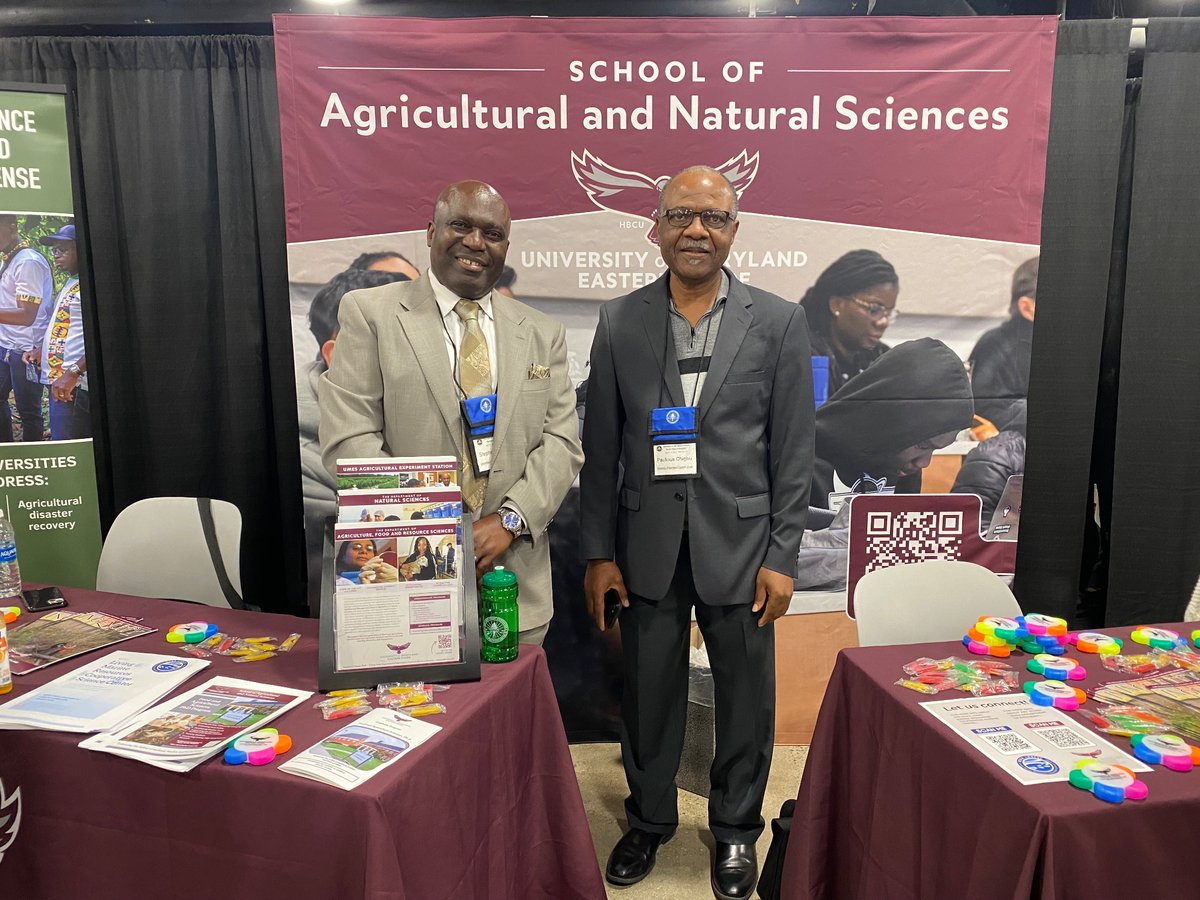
(849, 308)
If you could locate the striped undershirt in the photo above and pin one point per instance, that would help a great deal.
(694, 346)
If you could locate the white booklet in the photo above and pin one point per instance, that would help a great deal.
(101, 695)
(183, 732)
(360, 751)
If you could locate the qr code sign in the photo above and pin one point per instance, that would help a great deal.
(443, 642)
(895, 538)
(1064, 738)
(1009, 743)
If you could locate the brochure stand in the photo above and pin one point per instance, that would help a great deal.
(330, 678)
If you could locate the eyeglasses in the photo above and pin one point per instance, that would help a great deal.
(877, 311)
(682, 217)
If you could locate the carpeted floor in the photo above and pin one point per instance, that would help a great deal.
(682, 870)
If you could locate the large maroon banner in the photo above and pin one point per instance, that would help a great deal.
(914, 148)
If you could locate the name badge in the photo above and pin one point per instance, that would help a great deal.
(674, 441)
(479, 416)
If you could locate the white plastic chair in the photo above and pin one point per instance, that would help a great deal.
(156, 548)
(936, 600)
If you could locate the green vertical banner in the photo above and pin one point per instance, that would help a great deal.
(47, 464)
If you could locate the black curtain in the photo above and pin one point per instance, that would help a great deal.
(1155, 510)
(1082, 167)
(183, 210)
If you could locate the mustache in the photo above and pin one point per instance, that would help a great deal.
(692, 244)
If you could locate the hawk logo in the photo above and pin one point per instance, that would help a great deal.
(635, 194)
(10, 818)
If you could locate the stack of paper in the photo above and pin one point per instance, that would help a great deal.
(361, 750)
(181, 733)
(101, 695)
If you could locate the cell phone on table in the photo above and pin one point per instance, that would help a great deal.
(42, 599)
(612, 608)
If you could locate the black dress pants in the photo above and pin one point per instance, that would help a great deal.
(654, 638)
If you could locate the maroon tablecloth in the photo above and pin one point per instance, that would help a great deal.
(488, 808)
(894, 805)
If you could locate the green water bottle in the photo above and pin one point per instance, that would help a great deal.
(498, 599)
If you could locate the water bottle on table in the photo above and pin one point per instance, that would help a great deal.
(10, 572)
(499, 625)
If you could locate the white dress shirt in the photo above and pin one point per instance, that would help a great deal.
(454, 328)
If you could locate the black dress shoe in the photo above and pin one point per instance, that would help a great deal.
(734, 871)
(633, 857)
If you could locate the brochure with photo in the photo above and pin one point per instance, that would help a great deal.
(61, 635)
(390, 473)
(358, 752)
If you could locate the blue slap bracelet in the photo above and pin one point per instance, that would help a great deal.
(1165, 750)
(257, 748)
(1112, 784)
(190, 633)
(1056, 668)
(1054, 693)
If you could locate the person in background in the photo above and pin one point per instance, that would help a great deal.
(1000, 361)
(986, 469)
(849, 308)
(506, 281)
(880, 430)
(26, 286)
(61, 358)
(318, 483)
(420, 565)
(410, 352)
(387, 261)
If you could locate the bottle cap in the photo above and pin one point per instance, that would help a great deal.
(499, 577)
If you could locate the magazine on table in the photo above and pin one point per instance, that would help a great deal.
(61, 635)
(361, 750)
(183, 732)
(100, 695)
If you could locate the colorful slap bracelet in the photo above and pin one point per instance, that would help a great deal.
(1095, 642)
(1159, 638)
(10, 613)
(1040, 625)
(1057, 668)
(1008, 630)
(979, 647)
(1165, 750)
(1054, 693)
(190, 633)
(1111, 784)
(258, 748)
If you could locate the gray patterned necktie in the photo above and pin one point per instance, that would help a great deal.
(475, 379)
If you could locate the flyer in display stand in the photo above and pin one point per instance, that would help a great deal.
(1033, 744)
(394, 596)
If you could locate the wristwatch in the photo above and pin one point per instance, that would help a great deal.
(512, 521)
(73, 368)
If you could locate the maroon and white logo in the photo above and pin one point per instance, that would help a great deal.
(10, 818)
(635, 194)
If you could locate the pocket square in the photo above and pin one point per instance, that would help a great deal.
(536, 370)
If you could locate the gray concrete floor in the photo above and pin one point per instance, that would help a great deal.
(682, 870)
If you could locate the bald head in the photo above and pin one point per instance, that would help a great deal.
(702, 177)
(468, 238)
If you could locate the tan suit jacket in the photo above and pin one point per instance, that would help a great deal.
(390, 392)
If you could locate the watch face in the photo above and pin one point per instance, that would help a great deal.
(510, 520)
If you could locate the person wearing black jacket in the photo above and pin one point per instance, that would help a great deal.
(1000, 360)
(881, 428)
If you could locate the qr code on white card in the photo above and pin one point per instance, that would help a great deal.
(896, 538)
(1007, 742)
(1064, 738)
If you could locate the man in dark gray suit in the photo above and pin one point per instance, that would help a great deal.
(700, 401)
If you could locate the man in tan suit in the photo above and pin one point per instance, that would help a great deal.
(408, 353)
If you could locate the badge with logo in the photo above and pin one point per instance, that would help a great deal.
(674, 442)
(479, 415)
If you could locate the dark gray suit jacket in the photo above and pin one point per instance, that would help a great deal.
(748, 507)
